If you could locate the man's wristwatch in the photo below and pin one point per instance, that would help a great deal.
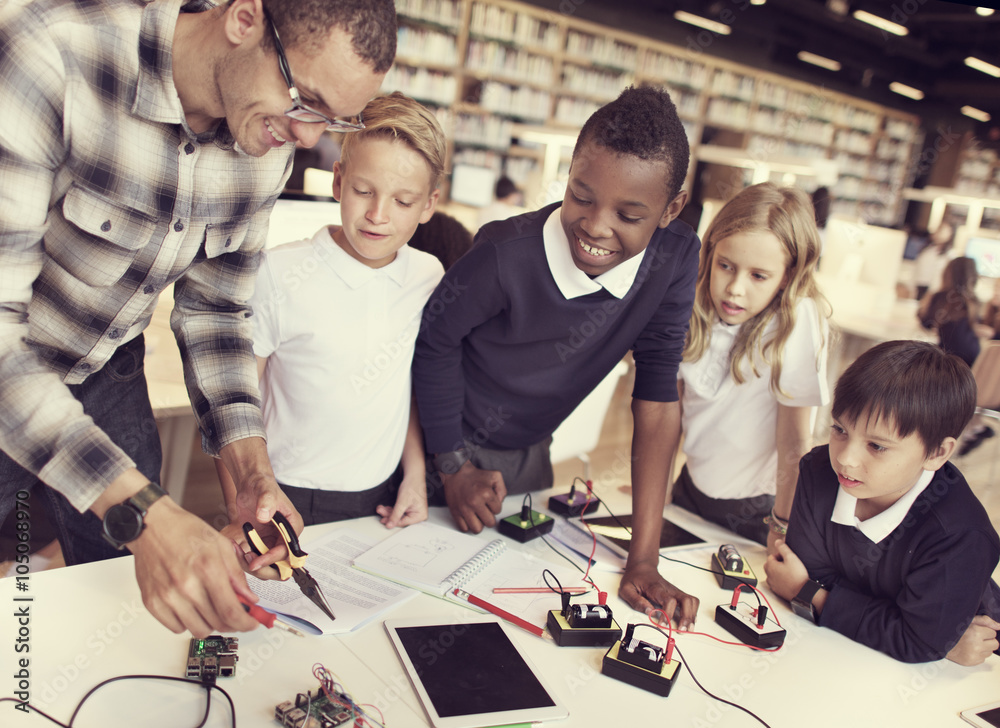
(802, 604)
(124, 522)
(449, 463)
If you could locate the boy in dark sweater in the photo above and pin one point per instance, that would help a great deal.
(542, 308)
(886, 543)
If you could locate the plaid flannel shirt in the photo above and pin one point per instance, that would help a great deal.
(106, 198)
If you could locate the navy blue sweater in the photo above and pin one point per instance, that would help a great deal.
(503, 358)
(912, 595)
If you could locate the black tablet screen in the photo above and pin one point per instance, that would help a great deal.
(990, 716)
(468, 669)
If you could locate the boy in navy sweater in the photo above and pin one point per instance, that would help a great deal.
(542, 308)
(886, 543)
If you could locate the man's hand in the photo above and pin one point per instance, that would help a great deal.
(411, 504)
(245, 555)
(252, 495)
(643, 589)
(978, 642)
(474, 496)
(786, 574)
(188, 574)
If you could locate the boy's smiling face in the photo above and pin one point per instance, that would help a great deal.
(873, 463)
(384, 193)
(613, 205)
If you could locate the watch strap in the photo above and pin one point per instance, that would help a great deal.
(146, 497)
(449, 463)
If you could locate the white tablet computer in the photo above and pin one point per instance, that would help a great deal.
(985, 716)
(471, 674)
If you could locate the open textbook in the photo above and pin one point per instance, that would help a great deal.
(438, 559)
(355, 597)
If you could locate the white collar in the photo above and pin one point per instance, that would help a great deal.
(573, 282)
(355, 273)
(878, 527)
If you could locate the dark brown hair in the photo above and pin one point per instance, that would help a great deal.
(306, 24)
(914, 385)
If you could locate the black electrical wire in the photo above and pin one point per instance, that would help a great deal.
(629, 530)
(208, 698)
(716, 697)
(700, 686)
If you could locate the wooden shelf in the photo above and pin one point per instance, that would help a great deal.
(549, 43)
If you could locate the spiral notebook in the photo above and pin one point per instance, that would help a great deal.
(437, 559)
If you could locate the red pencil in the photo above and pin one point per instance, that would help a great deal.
(538, 590)
(523, 624)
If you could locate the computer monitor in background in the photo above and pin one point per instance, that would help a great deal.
(857, 252)
(983, 246)
(472, 185)
(298, 219)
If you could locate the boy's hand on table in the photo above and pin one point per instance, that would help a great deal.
(411, 504)
(978, 642)
(474, 496)
(773, 539)
(786, 574)
(188, 574)
(643, 589)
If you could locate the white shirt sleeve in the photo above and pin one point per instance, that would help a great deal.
(266, 306)
(803, 371)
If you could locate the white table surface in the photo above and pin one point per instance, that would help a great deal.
(88, 624)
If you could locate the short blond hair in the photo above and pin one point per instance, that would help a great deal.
(397, 116)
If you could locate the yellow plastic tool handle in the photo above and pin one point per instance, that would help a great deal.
(259, 547)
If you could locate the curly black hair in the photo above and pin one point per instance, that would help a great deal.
(306, 24)
(642, 122)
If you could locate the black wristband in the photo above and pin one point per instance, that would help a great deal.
(449, 463)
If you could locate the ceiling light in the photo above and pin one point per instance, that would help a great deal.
(974, 113)
(880, 23)
(712, 25)
(828, 63)
(985, 12)
(903, 90)
(979, 65)
(757, 2)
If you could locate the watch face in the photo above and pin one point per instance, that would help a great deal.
(122, 523)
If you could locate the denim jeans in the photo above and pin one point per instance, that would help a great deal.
(117, 400)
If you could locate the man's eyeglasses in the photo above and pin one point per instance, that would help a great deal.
(298, 110)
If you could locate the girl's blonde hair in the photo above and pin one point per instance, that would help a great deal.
(788, 214)
(399, 117)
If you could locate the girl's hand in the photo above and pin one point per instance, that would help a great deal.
(786, 574)
(411, 504)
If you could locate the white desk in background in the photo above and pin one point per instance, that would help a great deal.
(87, 624)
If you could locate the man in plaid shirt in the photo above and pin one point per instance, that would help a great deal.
(142, 144)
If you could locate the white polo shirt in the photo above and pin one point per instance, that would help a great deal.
(729, 428)
(339, 340)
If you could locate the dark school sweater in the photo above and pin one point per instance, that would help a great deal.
(912, 595)
(503, 358)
